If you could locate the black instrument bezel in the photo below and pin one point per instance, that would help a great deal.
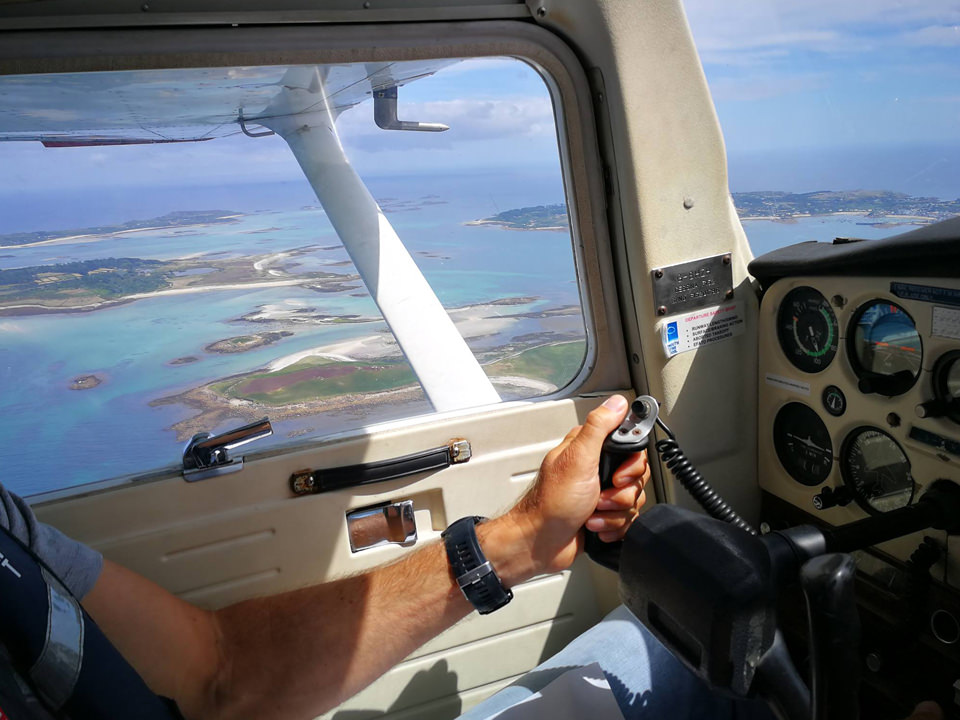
(835, 345)
(940, 375)
(844, 470)
(871, 382)
(776, 444)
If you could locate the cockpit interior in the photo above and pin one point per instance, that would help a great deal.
(285, 290)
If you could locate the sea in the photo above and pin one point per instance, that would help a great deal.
(56, 437)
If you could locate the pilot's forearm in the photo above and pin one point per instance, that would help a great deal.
(299, 654)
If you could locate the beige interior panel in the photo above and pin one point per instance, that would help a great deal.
(927, 464)
(221, 540)
(671, 204)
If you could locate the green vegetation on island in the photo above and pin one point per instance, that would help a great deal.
(882, 206)
(92, 284)
(316, 378)
(105, 278)
(557, 363)
(878, 204)
(243, 343)
(539, 217)
(176, 219)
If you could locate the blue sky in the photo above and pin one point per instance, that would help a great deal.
(857, 91)
(811, 94)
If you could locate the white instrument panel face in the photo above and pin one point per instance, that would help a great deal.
(844, 364)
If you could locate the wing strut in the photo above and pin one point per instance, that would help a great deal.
(448, 371)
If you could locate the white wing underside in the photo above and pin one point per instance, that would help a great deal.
(301, 104)
(173, 105)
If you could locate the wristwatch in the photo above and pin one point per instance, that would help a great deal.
(475, 575)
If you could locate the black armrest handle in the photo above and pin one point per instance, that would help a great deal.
(309, 482)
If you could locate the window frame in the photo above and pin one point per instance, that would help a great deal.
(605, 366)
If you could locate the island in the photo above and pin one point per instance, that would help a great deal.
(85, 382)
(88, 285)
(539, 217)
(174, 220)
(244, 343)
(368, 371)
(880, 208)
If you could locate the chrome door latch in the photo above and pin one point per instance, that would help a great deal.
(384, 524)
(208, 455)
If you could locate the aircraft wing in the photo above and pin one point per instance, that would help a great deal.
(177, 105)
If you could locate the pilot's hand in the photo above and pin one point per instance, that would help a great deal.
(567, 492)
(926, 711)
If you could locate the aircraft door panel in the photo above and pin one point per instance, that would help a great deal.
(227, 538)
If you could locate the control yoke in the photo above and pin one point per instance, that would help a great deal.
(707, 587)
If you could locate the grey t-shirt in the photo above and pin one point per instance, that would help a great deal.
(77, 565)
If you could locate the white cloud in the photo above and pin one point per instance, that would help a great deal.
(724, 31)
(934, 35)
(469, 120)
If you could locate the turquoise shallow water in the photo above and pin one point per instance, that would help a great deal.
(112, 430)
(76, 437)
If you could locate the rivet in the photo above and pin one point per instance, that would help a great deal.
(726, 259)
(662, 310)
(366, 5)
(658, 273)
(728, 294)
(145, 7)
(541, 11)
(688, 202)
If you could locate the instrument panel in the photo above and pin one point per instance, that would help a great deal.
(859, 399)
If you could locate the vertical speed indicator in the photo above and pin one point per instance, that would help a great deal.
(807, 329)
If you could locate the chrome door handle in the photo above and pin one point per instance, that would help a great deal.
(391, 524)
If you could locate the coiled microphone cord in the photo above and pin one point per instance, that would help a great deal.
(688, 476)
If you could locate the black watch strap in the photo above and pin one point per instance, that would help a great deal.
(474, 573)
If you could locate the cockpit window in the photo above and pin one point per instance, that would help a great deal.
(166, 267)
(840, 119)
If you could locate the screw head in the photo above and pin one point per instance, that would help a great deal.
(726, 259)
(728, 294)
(658, 273)
(688, 202)
(541, 11)
(662, 310)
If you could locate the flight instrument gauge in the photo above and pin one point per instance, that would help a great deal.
(803, 444)
(946, 384)
(807, 329)
(884, 348)
(876, 470)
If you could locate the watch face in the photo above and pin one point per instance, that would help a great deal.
(475, 575)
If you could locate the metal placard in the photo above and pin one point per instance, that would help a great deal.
(694, 284)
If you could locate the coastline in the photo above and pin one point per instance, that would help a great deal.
(893, 220)
(37, 309)
(91, 237)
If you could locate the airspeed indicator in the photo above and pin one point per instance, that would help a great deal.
(807, 329)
